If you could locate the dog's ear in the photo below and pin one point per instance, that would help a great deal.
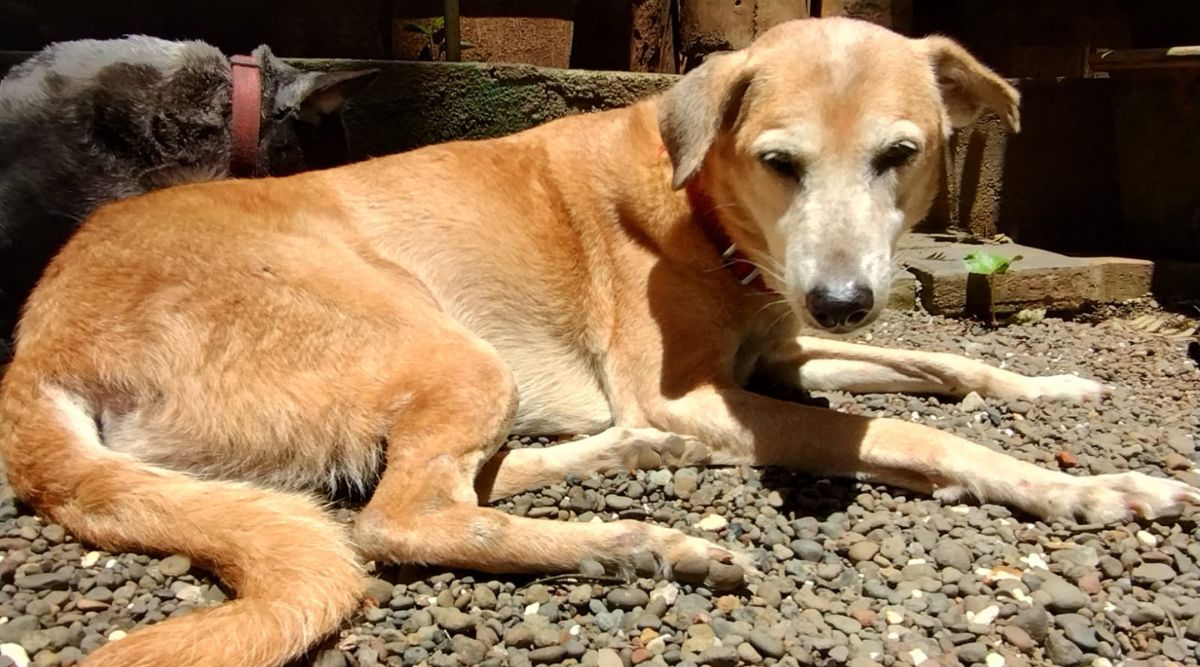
(692, 112)
(968, 86)
(315, 94)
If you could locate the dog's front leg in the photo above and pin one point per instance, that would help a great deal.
(817, 364)
(745, 428)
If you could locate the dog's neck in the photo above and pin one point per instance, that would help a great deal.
(704, 215)
(688, 225)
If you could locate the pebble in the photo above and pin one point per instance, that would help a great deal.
(547, 654)
(1062, 652)
(1079, 630)
(178, 565)
(1063, 596)
(712, 523)
(16, 653)
(953, 554)
(627, 598)
(766, 643)
(862, 551)
(1152, 573)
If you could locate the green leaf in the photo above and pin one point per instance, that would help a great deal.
(986, 263)
(418, 28)
(438, 23)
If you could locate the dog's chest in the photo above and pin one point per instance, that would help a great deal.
(560, 393)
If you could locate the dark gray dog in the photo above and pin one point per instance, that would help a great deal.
(87, 122)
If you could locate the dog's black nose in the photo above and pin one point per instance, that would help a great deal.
(840, 307)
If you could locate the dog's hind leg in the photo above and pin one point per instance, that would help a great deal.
(817, 364)
(617, 449)
(425, 508)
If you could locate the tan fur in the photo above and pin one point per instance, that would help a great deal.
(196, 360)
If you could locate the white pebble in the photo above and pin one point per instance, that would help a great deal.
(916, 561)
(90, 558)
(1102, 662)
(1147, 539)
(117, 635)
(189, 593)
(110, 563)
(917, 594)
(984, 616)
(994, 660)
(532, 608)
(16, 653)
(960, 509)
(1035, 559)
(712, 522)
(917, 656)
(574, 631)
(893, 617)
(668, 592)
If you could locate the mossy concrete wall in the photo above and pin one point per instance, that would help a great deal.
(415, 104)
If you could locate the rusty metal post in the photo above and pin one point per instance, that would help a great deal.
(453, 30)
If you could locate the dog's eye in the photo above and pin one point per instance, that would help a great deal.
(897, 155)
(781, 164)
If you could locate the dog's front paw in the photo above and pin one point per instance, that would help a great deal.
(651, 449)
(1065, 388)
(1106, 499)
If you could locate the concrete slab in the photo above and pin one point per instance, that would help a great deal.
(903, 295)
(1040, 279)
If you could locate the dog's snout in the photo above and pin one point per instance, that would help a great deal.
(840, 307)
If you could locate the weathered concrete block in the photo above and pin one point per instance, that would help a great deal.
(903, 295)
(1122, 278)
(1040, 279)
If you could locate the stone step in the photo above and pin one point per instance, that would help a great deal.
(1040, 279)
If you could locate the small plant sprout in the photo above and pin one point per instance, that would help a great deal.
(987, 264)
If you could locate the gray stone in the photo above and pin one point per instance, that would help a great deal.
(1152, 573)
(49, 581)
(1062, 652)
(627, 598)
(766, 643)
(953, 554)
(177, 566)
(1079, 630)
(1063, 596)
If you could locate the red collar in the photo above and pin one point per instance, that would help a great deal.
(247, 110)
(734, 260)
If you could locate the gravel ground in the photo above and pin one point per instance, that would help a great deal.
(854, 574)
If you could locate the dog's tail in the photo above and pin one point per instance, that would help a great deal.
(294, 570)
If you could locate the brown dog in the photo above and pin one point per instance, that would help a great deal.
(196, 361)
